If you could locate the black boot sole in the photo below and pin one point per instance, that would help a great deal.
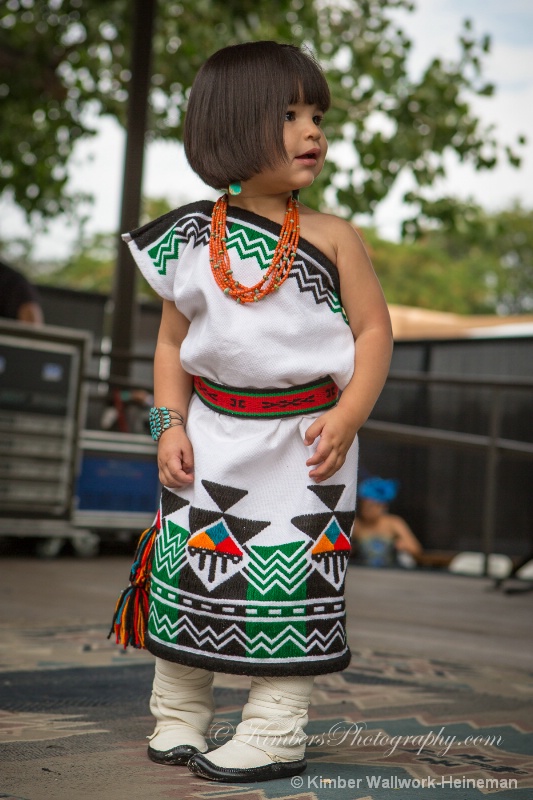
(175, 757)
(201, 766)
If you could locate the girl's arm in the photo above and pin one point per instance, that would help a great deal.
(356, 530)
(404, 538)
(173, 388)
(369, 321)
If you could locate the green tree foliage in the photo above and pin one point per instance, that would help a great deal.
(90, 266)
(498, 247)
(63, 60)
(425, 275)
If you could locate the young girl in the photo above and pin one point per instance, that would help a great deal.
(270, 309)
(382, 539)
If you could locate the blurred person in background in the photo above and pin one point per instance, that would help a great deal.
(381, 539)
(18, 298)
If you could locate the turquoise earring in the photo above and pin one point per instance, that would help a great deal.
(296, 194)
(235, 188)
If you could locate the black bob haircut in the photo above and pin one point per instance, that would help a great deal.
(237, 105)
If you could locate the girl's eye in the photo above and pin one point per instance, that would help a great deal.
(290, 116)
(318, 119)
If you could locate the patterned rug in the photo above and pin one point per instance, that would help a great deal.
(74, 717)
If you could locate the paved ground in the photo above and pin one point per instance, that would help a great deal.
(75, 709)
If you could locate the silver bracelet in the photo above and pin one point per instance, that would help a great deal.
(161, 419)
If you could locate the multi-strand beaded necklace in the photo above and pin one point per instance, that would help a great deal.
(277, 272)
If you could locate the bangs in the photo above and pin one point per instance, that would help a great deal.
(235, 116)
(302, 80)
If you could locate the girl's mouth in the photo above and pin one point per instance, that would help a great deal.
(310, 157)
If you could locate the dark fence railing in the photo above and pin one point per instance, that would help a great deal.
(491, 444)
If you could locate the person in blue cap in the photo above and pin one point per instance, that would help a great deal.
(382, 539)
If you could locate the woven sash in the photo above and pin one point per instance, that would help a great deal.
(268, 403)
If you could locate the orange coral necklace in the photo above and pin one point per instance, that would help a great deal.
(281, 264)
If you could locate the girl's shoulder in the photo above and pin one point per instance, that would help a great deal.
(331, 234)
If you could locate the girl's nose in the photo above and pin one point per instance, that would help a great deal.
(313, 131)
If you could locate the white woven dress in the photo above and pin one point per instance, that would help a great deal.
(250, 560)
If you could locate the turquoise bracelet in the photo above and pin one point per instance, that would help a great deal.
(161, 419)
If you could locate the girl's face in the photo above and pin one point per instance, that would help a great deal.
(305, 143)
(306, 148)
(371, 510)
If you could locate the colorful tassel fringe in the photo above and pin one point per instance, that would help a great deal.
(130, 620)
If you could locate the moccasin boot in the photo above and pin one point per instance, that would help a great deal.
(270, 741)
(182, 703)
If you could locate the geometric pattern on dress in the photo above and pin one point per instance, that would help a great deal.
(268, 644)
(330, 495)
(213, 550)
(250, 243)
(276, 621)
(170, 502)
(325, 641)
(161, 623)
(192, 224)
(265, 643)
(206, 639)
(167, 248)
(318, 283)
(219, 555)
(194, 603)
(224, 496)
(170, 549)
(169, 560)
(331, 532)
(331, 553)
(277, 569)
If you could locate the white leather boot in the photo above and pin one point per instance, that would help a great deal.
(182, 703)
(270, 741)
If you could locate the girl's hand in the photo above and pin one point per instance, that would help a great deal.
(175, 458)
(337, 433)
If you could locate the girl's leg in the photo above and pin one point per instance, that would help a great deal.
(182, 703)
(270, 740)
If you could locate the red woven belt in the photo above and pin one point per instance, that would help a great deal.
(264, 403)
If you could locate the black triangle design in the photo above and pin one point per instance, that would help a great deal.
(330, 495)
(171, 502)
(244, 528)
(345, 520)
(224, 496)
(313, 524)
(200, 518)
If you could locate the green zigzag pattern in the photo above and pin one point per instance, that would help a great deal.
(170, 550)
(163, 623)
(252, 244)
(166, 249)
(337, 308)
(255, 244)
(278, 571)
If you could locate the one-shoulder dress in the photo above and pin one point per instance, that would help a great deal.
(250, 560)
